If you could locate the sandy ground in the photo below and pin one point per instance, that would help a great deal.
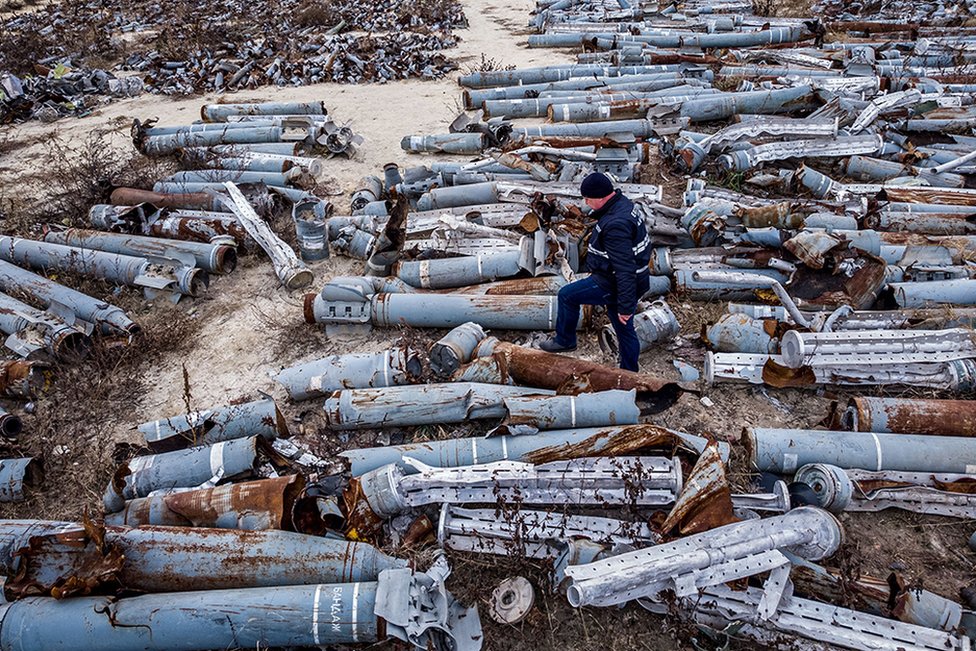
(235, 354)
(247, 328)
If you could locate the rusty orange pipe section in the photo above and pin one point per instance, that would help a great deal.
(910, 416)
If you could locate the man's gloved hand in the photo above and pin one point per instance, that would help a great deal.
(624, 318)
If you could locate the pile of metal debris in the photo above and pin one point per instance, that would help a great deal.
(166, 242)
(175, 51)
(59, 92)
(837, 283)
(220, 491)
(544, 456)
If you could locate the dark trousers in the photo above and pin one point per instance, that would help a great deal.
(588, 292)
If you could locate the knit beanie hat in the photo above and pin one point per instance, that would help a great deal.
(596, 186)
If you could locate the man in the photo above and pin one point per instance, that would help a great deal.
(617, 258)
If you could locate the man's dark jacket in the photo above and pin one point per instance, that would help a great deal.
(619, 252)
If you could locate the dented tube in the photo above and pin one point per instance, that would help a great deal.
(190, 468)
(209, 426)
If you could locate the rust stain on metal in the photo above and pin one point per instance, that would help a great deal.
(833, 586)
(965, 485)
(609, 442)
(831, 288)
(781, 377)
(537, 368)
(272, 496)
(362, 524)
(919, 416)
(308, 308)
(420, 532)
(927, 195)
(539, 286)
(24, 379)
(777, 214)
(91, 562)
(706, 499)
(133, 196)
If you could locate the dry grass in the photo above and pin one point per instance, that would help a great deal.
(76, 177)
(76, 418)
(82, 411)
(553, 623)
(10, 142)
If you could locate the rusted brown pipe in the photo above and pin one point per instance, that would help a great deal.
(191, 200)
(908, 416)
(568, 375)
(253, 505)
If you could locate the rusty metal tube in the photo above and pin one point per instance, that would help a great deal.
(192, 200)
(173, 559)
(537, 368)
(910, 416)
(249, 506)
(198, 229)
